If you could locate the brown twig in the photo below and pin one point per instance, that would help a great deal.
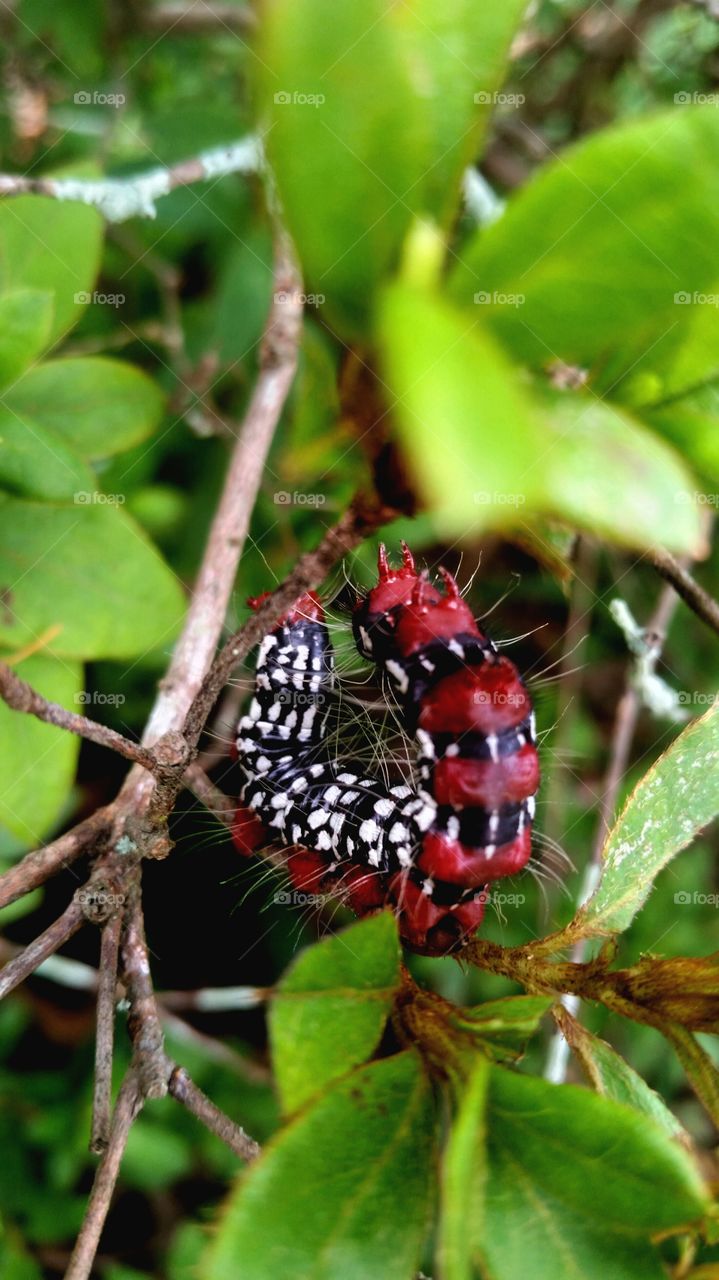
(128, 1104)
(183, 1089)
(17, 970)
(105, 1032)
(40, 865)
(20, 696)
(150, 1060)
(699, 600)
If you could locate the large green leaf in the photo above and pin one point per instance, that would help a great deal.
(89, 570)
(25, 319)
(676, 798)
(601, 240)
(456, 53)
(98, 405)
(329, 1010)
(485, 453)
(344, 1190)
(37, 761)
(565, 1183)
(37, 462)
(346, 142)
(50, 245)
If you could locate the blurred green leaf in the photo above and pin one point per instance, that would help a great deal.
(155, 1156)
(464, 1173)
(601, 240)
(50, 245)
(97, 405)
(456, 53)
(487, 455)
(37, 463)
(37, 761)
(25, 319)
(346, 141)
(676, 798)
(329, 1010)
(89, 570)
(344, 1190)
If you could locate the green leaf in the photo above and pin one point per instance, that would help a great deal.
(676, 798)
(97, 405)
(600, 241)
(37, 463)
(89, 570)
(37, 761)
(346, 143)
(699, 1067)
(613, 476)
(50, 245)
(344, 1190)
(463, 1180)
(456, 53)
(610, 1075)
(330, 1008)
(576, 1185)
(486, 454)
(25, 319)
(504, 1026)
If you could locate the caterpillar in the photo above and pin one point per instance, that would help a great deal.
(430, 852)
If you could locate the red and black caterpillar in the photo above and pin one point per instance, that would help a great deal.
(429, 852)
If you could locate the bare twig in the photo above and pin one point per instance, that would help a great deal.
(699, 600)
(128, 1104)
(185, 1091)
(40, 865)
(105, 1032)
(17, 970)
(151, 1062)
(20, 696)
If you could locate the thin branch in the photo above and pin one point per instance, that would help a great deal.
(214, 800)
(17, 970)
(699, 600)
(128, 1104)
(105, 1032)
(183, 1089)
(20, 696)
(122, 198)
(151, 1062)
(40, 865)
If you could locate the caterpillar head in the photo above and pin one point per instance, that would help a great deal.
(374, 620)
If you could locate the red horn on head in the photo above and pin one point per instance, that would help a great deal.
(383, 563)
(407, 557)
(451, 584)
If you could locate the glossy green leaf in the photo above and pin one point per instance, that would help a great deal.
(25, 319)
(37, 761)
(463, 1179)
(346, 141)
(330, 1008)
(344, 1190)
(50, 245)
(89, 570)
(486, 453)
(610, 1075)
(97, 405)
(38, 463)
(456, 53)
(601, 241)
(553, 1207)
(676, 798)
